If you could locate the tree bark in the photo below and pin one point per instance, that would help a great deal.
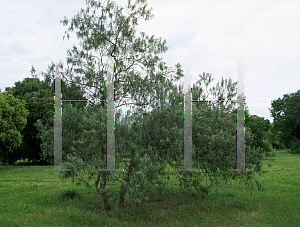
(101, 193)
(123, 187)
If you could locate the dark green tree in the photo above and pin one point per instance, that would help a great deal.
(39, 102)
(286, 114)
(274, 139)
(261, 130)
(259, 127)
(13, 119)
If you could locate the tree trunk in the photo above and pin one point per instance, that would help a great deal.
(123, 187)
(101, 193)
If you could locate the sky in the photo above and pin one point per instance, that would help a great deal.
(211, 33)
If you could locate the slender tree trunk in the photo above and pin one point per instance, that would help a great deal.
(101, 193)
(123, 187)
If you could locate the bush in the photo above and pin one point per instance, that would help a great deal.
(69, 194)
(267, 148)
(270, 154)
(295, 147)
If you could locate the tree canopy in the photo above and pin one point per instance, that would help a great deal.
(259, 128)
(13, 119)
(286, 114)
(114, 34)
(152, 140)
(39, 103)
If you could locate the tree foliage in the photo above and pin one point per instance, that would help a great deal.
(117, 40)
(13, 119)
(274, 139)
(70, 91)
(113, 34)
(146, 141)
(152, 141)
(260, 127)
(39, 102)
(286, 114)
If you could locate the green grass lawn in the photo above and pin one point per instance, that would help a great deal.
(31, 196)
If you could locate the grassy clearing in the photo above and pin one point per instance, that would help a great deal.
(30, 196)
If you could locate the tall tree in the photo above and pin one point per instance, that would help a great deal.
(13, 119)
(113, 34)
(286, 114)
(153, 138)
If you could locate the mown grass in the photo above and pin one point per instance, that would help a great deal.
(31, 196)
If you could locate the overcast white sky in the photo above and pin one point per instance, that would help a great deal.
(208, 31)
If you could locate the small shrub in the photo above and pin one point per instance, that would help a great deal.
(270, 154)
(269, 164)
(69, 194)
(268, 149)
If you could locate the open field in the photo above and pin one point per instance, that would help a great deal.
(30, 196)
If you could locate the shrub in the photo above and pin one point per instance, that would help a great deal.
(267, 148)
(295, 147)
(69, 194)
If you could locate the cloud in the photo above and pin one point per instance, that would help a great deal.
(208, 31)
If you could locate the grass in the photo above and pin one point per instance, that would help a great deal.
(31, 196)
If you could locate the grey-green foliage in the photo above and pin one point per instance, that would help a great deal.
(111, 33)
(145, 141)
(105, 30)
(153, 141)
(214, 134)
